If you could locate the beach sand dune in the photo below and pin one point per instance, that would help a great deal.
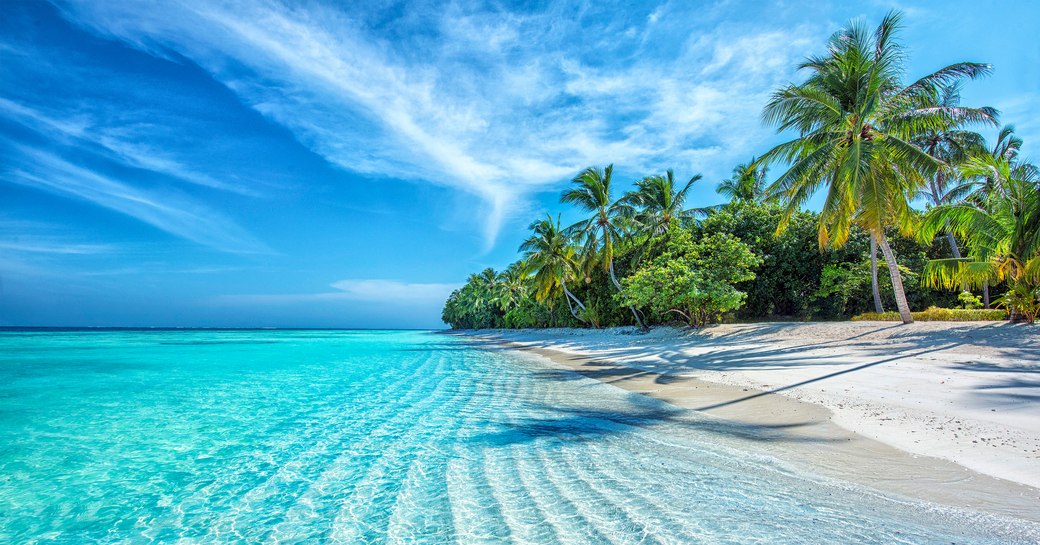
(946, 412)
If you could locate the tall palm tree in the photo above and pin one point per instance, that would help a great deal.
(656, 201)
(746, 184)
(952, 144)
(602, 230)
(1002, 229)
(855, 122)
(548, 252)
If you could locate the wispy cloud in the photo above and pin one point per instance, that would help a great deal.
(391, 292)
(52, 246)
(122, 142)
(492, 102)
(35, 249)
(168, 211)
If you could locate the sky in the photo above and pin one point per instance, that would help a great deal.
(205, 163)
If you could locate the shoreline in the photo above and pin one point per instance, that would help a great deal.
(849, 436)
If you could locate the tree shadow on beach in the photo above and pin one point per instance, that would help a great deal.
(1014, 391)
(679, 358)
(591, 424)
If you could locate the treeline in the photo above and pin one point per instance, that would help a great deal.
(872, 145)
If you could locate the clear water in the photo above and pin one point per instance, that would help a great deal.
(388, 437)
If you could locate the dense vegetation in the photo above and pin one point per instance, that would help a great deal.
(872, 145)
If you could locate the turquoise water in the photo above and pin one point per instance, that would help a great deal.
(388, 437)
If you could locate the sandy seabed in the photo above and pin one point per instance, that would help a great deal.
(940, 411)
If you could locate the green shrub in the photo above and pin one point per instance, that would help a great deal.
(969, 301)
(692, 279)
(1022, 299)
(935, 314)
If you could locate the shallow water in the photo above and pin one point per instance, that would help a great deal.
(390, 437)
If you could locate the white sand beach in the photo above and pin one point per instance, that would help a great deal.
(947, 412)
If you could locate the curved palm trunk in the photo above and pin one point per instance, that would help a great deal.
(955, 250)
(571, 297)
(953, 242)
(613, 278)
(873, 275)
(949, 235)
(940, 180)
(570, 307)
(897, 280)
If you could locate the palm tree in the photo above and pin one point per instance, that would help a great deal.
(746, 184)
(1006, 147)
(952, 144)
(602, 230)
(1001, 228)
(511, 285)
(855, 122)
(549, 253)
(656, 201)
(474, 305)
(1008, 144)
(482, 295)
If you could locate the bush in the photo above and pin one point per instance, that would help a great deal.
(1023, 301)
(969, 301)
(936, 314)
(693, 279)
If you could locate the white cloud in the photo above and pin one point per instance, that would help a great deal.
(497, 104)
(169, 212)
(392, 290)
(51, 246)
(383, 291)
(120, 143)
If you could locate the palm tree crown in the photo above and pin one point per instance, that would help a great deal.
(746, 184)
(656, 201)
(1002, 229)
(548, 252)
(952, 144)
(591, 193)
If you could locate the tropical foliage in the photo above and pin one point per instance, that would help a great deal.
(873, 145)
(693, 279)
(1001, 226)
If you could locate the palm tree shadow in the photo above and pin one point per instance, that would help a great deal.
(818, 379)
(1012, 391)
(579, 424)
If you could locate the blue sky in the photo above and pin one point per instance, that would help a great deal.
(250, 164)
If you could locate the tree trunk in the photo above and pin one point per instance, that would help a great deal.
(613, 278)
(873, 275)
(953, 243)
(570, 307)
(570, 296)
(985, 294)
(949, 236)
(897, 280)
(956, 251)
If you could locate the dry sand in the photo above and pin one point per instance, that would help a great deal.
(945, 412)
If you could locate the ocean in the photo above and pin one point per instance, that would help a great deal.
(212, 436)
